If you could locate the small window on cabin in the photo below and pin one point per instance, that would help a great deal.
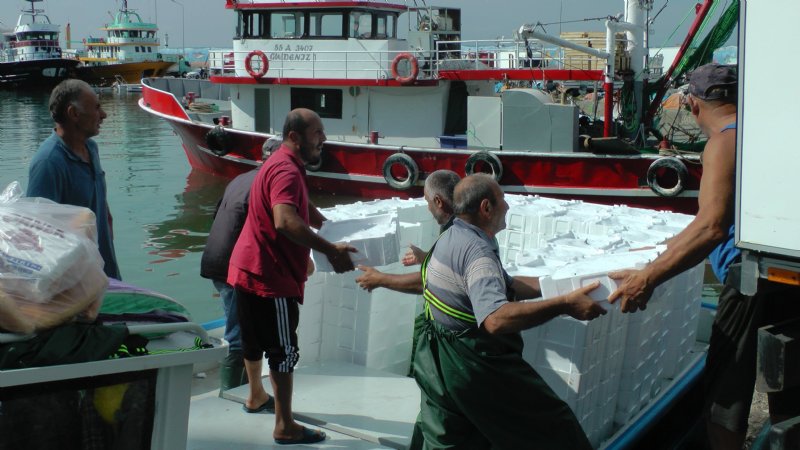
(325, 102)
(360, 25)
(287, 25)
(253, 25)
(326, 24)
(380, 27)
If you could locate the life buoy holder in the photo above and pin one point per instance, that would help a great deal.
(219, 141)
(668, 163)
(411, 169)
(488, 158)
(248, 63)
(413, 72)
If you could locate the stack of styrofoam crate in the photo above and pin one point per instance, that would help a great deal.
(605, 369)
(341, 322)
(616, 363)
(368, 329)
(604, 337)
(681, 320)
(641, 367)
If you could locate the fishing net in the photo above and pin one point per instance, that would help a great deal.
(702, 52)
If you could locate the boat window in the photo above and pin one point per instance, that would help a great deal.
(325, 102)
(384, 26)
(253, 25)
(326, 24)
(360, 25)
(287, 25)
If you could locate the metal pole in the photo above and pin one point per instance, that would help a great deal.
(183, 35)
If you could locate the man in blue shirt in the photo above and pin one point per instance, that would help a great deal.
(66, 168)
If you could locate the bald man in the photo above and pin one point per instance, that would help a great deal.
(477, 391)
(268, 270)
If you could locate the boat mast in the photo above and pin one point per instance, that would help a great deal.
(635, 27)
(33, 11)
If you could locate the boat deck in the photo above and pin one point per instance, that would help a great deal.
(348, 401)
(361, 408)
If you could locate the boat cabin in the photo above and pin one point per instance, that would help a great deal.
(347, 61)
(128, 39)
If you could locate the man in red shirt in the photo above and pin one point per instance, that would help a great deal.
(268, 270)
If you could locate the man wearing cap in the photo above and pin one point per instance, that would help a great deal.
(731, 362)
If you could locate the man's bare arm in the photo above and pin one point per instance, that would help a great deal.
(291, 225)
(514, 317)
(693, 244)
(408, 283)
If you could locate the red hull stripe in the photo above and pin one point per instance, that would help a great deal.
(319, 81)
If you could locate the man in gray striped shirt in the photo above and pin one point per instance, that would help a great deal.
(477, 391)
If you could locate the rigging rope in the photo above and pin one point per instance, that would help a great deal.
(659, 12)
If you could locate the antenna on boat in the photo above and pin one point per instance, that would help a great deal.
(33, 9)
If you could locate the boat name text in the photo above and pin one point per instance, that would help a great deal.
(289, 52)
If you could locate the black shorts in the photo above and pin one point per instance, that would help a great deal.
(731, 363)
(269, 326)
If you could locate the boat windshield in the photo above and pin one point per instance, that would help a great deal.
(317, 24)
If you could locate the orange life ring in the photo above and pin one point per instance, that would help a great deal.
(412, 76)
(264, 64)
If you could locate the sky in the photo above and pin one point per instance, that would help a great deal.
(206, 23)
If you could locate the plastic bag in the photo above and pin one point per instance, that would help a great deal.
(50, 267)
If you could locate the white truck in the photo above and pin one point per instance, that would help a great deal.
(768, 163)
(767, 210)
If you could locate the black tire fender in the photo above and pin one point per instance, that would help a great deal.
(667, 163)
(408, 163)
(219, 141)
(488, 158)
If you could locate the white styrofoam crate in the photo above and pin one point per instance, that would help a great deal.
(375, 238)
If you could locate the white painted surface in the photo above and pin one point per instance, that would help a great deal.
(769, 162)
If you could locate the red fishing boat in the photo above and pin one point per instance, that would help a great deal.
(398, 108)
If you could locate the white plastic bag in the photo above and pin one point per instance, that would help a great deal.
(50, 268)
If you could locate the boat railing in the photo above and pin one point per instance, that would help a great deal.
(325, 64)
(130, 40)
(305, 62)
(513, 54)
